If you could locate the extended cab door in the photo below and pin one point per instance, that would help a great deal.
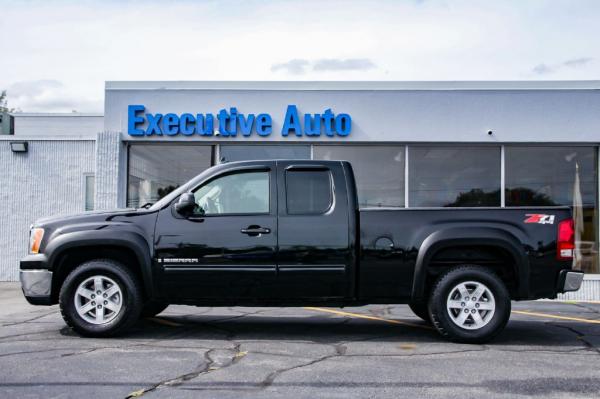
(227, 248)
(315, 258)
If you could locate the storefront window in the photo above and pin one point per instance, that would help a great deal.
(90, 191)
(379, 171)
(454, 176)
(156, 170)
(547, 176)
(231, 153)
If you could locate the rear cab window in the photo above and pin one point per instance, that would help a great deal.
(308, 191)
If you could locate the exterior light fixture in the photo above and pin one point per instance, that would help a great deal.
(19, 146)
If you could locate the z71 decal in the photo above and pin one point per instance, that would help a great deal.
(539, 218)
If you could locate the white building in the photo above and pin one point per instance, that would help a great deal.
(412, 144)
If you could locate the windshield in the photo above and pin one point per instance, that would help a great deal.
(170, 197)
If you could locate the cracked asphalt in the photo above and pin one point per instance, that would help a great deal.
(548, 349)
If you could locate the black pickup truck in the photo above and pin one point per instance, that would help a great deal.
(290, 233)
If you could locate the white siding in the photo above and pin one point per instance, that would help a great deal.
(47, 180)
(589, 291)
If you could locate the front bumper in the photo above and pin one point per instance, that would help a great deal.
(34, 261)
(36, 285)
(569, 281)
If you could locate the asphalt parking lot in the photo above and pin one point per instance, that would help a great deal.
(549, 349)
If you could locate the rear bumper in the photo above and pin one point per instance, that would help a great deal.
(569, 281)
(36, 280)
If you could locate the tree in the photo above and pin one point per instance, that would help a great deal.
(3, 102)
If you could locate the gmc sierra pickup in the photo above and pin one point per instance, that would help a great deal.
(290, 233)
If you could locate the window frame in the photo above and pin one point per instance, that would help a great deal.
(253, 169)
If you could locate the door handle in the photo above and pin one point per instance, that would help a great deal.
(255, 230)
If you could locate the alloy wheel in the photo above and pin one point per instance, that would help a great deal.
(471, 305)
(98, 299)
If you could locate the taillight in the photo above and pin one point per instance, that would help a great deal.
(565, 242)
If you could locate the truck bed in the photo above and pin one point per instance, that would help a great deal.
(392, 240)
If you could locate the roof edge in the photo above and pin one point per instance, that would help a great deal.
(357, 85)
(59, 114)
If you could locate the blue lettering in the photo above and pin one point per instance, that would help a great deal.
(153, 121)
(246, 124)
(264, 124)
(233, 121)
(327, 121)
(223, 119)
(291, 122)
(186, 124)
(133, 120)
(343, 124)
(312, 125)
(170, 124)
(230, 120)
(205, 125)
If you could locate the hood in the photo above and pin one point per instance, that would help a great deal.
(86, 216)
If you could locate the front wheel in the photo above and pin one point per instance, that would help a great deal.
(100, 298)
(469, 304)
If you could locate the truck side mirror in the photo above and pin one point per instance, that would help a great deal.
(186, 204)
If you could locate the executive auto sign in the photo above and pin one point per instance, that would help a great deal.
(231, 123)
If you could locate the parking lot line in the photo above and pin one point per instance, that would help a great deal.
(576, 302)
(554, 316)
(369, 317)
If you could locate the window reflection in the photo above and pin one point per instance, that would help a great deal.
(156, 170)
(454, 176)
(379, 171)
(540, 176)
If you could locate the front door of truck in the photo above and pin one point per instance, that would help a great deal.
(227, 248)
(315, 258)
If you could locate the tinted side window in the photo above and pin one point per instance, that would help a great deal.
(308, 191)
(236, 193)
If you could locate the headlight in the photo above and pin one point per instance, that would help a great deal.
(35, 240)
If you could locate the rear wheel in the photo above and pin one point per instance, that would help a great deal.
(421, 310)
(100, 298)
(469, 304)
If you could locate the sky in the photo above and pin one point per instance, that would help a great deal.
(56, 55)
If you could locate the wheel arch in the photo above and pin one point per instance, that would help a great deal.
(71, 249)
(471, 237)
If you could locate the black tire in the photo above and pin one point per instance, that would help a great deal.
(420, 309)
(152, 308)
(131, 301)
(443, 321)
